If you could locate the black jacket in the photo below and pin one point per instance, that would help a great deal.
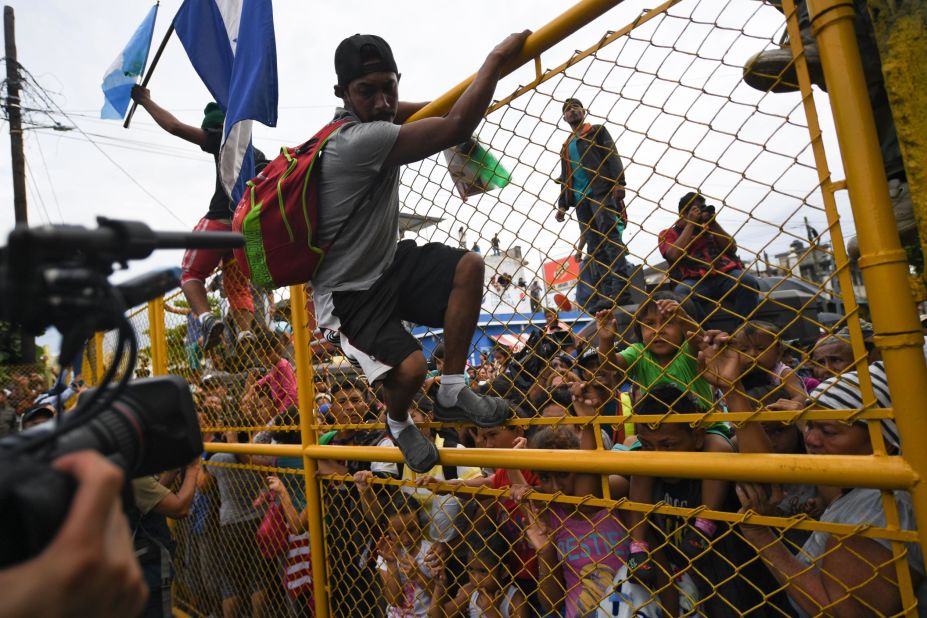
(599, 159)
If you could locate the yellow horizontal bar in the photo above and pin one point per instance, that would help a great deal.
(577, 57)
(876, 471)
(542, 39)
(690, 419)
(879, 472)
(275, 450)
(798, 522)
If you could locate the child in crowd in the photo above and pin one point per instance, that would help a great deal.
(440, 510)
(489, 590)
(246, 579)
(280, 377)
(433, 376)
(348, 536)
(729, 578)
(558, 403)
(667, 354)
(504, 513)
(580, 549)
(761, 360)
(406, 578)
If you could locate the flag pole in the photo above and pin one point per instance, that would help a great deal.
(154, 63)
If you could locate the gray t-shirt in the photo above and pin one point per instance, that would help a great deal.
(864, 506)
(237, 490)
(351, 161)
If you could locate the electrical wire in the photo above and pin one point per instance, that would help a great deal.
(38, 143)
(121, 146)
(35, 191)
(115, 163)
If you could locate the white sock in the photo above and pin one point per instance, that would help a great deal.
(451, 385)
(396, 427)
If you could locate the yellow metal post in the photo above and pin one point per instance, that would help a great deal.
(306, 392)
(542, 39)
(882, 260)
(157, 337)
(98, 367)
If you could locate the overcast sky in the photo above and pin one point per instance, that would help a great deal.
(671, 96)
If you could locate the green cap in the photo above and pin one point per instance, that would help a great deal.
(213, 116)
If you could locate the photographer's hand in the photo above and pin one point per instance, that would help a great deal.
(89, 568)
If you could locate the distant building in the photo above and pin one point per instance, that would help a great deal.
(502, 272)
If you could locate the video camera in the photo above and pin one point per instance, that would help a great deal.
(58, 276)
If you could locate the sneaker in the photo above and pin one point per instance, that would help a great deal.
(420, 453)
(212, 330)
(773, 70)
(483, 410)
(246, 337)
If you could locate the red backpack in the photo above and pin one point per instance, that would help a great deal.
(279, 217)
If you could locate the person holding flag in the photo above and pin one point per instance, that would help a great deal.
(232, 47)
(198, 264)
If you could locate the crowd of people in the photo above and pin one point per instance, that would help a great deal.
(459, 540)
(423, 538)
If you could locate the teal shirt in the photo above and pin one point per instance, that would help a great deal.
(580, 180)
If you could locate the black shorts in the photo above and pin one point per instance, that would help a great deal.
(415, 288)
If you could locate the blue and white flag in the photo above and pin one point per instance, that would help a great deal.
(232, 47)
(126, 69)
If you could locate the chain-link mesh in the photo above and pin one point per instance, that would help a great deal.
(696, 297)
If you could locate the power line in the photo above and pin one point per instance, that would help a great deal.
(103, 152)
(38, 194)
(38, 143)
(150, 151)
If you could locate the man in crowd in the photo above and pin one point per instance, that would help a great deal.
(592, 181)
(198, 264)
(367, 284)
(154, 545)
(702, 261)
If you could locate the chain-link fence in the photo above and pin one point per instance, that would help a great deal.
(702, 419)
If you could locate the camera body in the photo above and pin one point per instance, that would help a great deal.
(151, 427)
(58, 276)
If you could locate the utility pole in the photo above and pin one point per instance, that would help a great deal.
(14, 113)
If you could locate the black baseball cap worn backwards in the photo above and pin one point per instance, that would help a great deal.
(361, 55)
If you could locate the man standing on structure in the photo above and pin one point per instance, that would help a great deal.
(368, 284)
(592, 181)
